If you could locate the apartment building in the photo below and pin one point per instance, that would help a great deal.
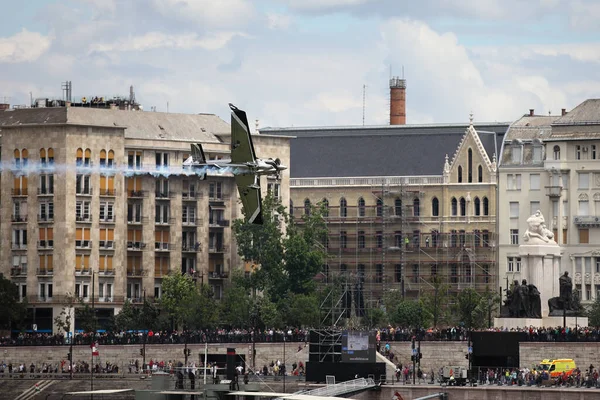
(101, 193)
(405, 203)
(552, 163)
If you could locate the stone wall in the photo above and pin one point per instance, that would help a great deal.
(584, 353)
(435, 354)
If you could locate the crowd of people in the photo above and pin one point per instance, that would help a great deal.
(386, 334)
(534, 377)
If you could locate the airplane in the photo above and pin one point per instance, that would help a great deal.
(245, 166)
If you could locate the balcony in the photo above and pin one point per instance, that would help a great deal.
(18, 271)
(164, 221)
(45, 191)
(222, 223)
(107, 245)
(19, 192)
(136, 194)
(217, 249)
(191, 195)
(586, 221)
(85, 218)
(553, 191)
(106, 299)
(86, 191)
(18, 218)
(44, 299)
(164, 195)
(110, 220)
(108, 192)
(45, 244)
(45, 218)
(135, 271)
(18, 246)
(106, 271)
(83, 244)
(137, 220)
(45, 272)
(136, 246)
(82, 271)
(191, 222)
(218, 199)
(217, 275)
(163, 246)
(190, 247)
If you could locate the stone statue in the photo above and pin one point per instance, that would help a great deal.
(535, 302)
(522, 301)
(537, 233)
(566, 287)
(568, 302)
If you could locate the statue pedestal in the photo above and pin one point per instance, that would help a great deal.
(541, 268)
(548, 322)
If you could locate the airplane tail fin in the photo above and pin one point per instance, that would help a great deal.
(198, 153)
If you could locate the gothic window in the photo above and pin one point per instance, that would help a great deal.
(435, 207)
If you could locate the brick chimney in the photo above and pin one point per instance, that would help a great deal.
(531, 112)
(397, 101)
(563, 112)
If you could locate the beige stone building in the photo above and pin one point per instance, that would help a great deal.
(405, 203)
(89, 192)
(553, 164)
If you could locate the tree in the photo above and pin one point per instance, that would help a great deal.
(487, 308)
(287, 261)
(204, 310)
(409, 314)
(467, 304)
(435, 301)
(86, 317)
(12, 310)
(178, 293)
(64, 322)
(594, 313)
(301, 310)
(236, 304)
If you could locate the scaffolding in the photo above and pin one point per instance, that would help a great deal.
(391, 239)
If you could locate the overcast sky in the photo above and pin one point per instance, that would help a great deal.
(304, 62)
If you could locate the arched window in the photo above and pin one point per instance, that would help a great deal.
(325, 205)
(416, 207)
(343, 208)
(398, 207)
(17, 154)
(51, 156)
(111, 159)
(24, 157)
(291, 208)
(88, 158)
(470, 165)
(361, 239)
(557, 152)
(463, 206)
(79, 157)
(361, 207)
(306, 207)
(102, 158)
(43, 157)
(486, 210)
(459, 174)
(480, 174)
(477, 204)
(435, 207)
(454, 207)
(379, 207)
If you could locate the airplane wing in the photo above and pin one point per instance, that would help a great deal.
(198, 153)
(242, 149)
(251, 200)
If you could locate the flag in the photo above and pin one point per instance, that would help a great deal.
(94, 347)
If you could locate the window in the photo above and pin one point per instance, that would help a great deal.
(486, 238)
(516, 154)
(584, 180)
(379, 207)
(82, 238)
(593, 151)
(462, 236)
(578, 152)
(188, 239)
(361, 239)
(379, 273)
(306, 207)
(435, 238)
(157, 290)
(82, 263)
(477, 204)
(514, 264)
(463, 206)
(584, 236)
(480, 174)
(107, 211)
(361, 207)
(22, 291)
(514, 209)
(398, 273)
(19, 211)
(416, 238)
(584, 207)
(21, 157)
(468, 273)
(416, 208)
(453, 238)
(82, 184)
(46, 235)
(454, 204)
(415, 273)
(343, 239)
(46, 266)
(486, 208)
(47, 157)
(215, 190)
(82, 211)
(20, 186)
(189, 189)
(537, 153)
(556, 153)
(453, 273)
(105, 291)
(470, 165)
(459, 174)
(161, 214)
(188, 214)
(134, 160)
(161, 188)
(514, 236)
(398, 239)
(134, 291)
(343, 208)
(477, 238)
(435, 207)
(107, 160)
(534, 182)
(533, 207)
(162, 160)
(45, 291)
(46, 184)
(107, 238)
(398, 207)
(514, 181)
(325, 206)
(134, 213)
(379, 239)
(274, 189)
(434, 269)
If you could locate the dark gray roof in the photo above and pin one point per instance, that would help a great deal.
(531, 127)
(586, 113)
(406, 150)
(137, 124)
